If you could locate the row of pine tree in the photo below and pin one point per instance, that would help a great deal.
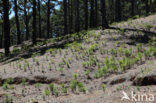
(34, 19)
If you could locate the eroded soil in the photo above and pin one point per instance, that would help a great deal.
(28, 77)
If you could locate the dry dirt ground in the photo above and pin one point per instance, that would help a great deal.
(25, 77)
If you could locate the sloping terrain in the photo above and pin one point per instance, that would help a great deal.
(94, 66)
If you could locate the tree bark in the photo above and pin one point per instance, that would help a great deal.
(1, 38)
(71, 18)
(147, 7)
(86, 14)
(26, 20)
(6, 27)
(39, 16)
(65, 17)
(48, 19)
(118, 10)
(77, 17)
(92, 13)
(34, 22)
(150, 5)
(112, 11)
(132, 8)
(103, 10)
(96, 13)
(17, 23)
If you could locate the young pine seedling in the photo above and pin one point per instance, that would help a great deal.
(56, 92)
(37, 85)
(75, 76)
(103, 87)
(8, 99)
(51, 86)
(87, 72)
(46, 92)
(23, 82)
(5, 86)
(63, 88)
(73, 85)
(81, 87)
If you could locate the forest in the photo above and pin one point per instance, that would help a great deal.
(77, 51)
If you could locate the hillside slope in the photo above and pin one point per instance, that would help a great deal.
(92, 67)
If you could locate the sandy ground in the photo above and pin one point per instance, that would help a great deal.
(40, 71)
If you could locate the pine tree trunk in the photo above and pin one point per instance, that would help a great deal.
(71, 18)
(1, 38)
(34, 22)
(75, 15)
(150, 5)
(92, 14)
(111, 8)
(48, 19)
(103, 10)
(147, 7)
(26, 20)
(86, 14)
(17, 23)
(65, 17)
(6, 27)
(132, 8)
(39, 16)
(78, 17)
(96, 13)
(118, 10)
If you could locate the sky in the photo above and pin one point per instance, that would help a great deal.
(13, 14)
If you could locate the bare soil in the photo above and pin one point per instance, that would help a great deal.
(29, 76)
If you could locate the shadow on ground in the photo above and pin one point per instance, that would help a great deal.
(41, 50)
(137, 38)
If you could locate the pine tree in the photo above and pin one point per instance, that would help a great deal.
(118, 10)
(39, 17)
(96, 13)
(48, 19)
(92, 14)
(71, 16)
(34, 22)
(26, 20)
(132, 8)
(65, 17)
(17, 22)
(78, 17)
(86, 14)
(147, 7)
(103, 10)
(6, 27)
